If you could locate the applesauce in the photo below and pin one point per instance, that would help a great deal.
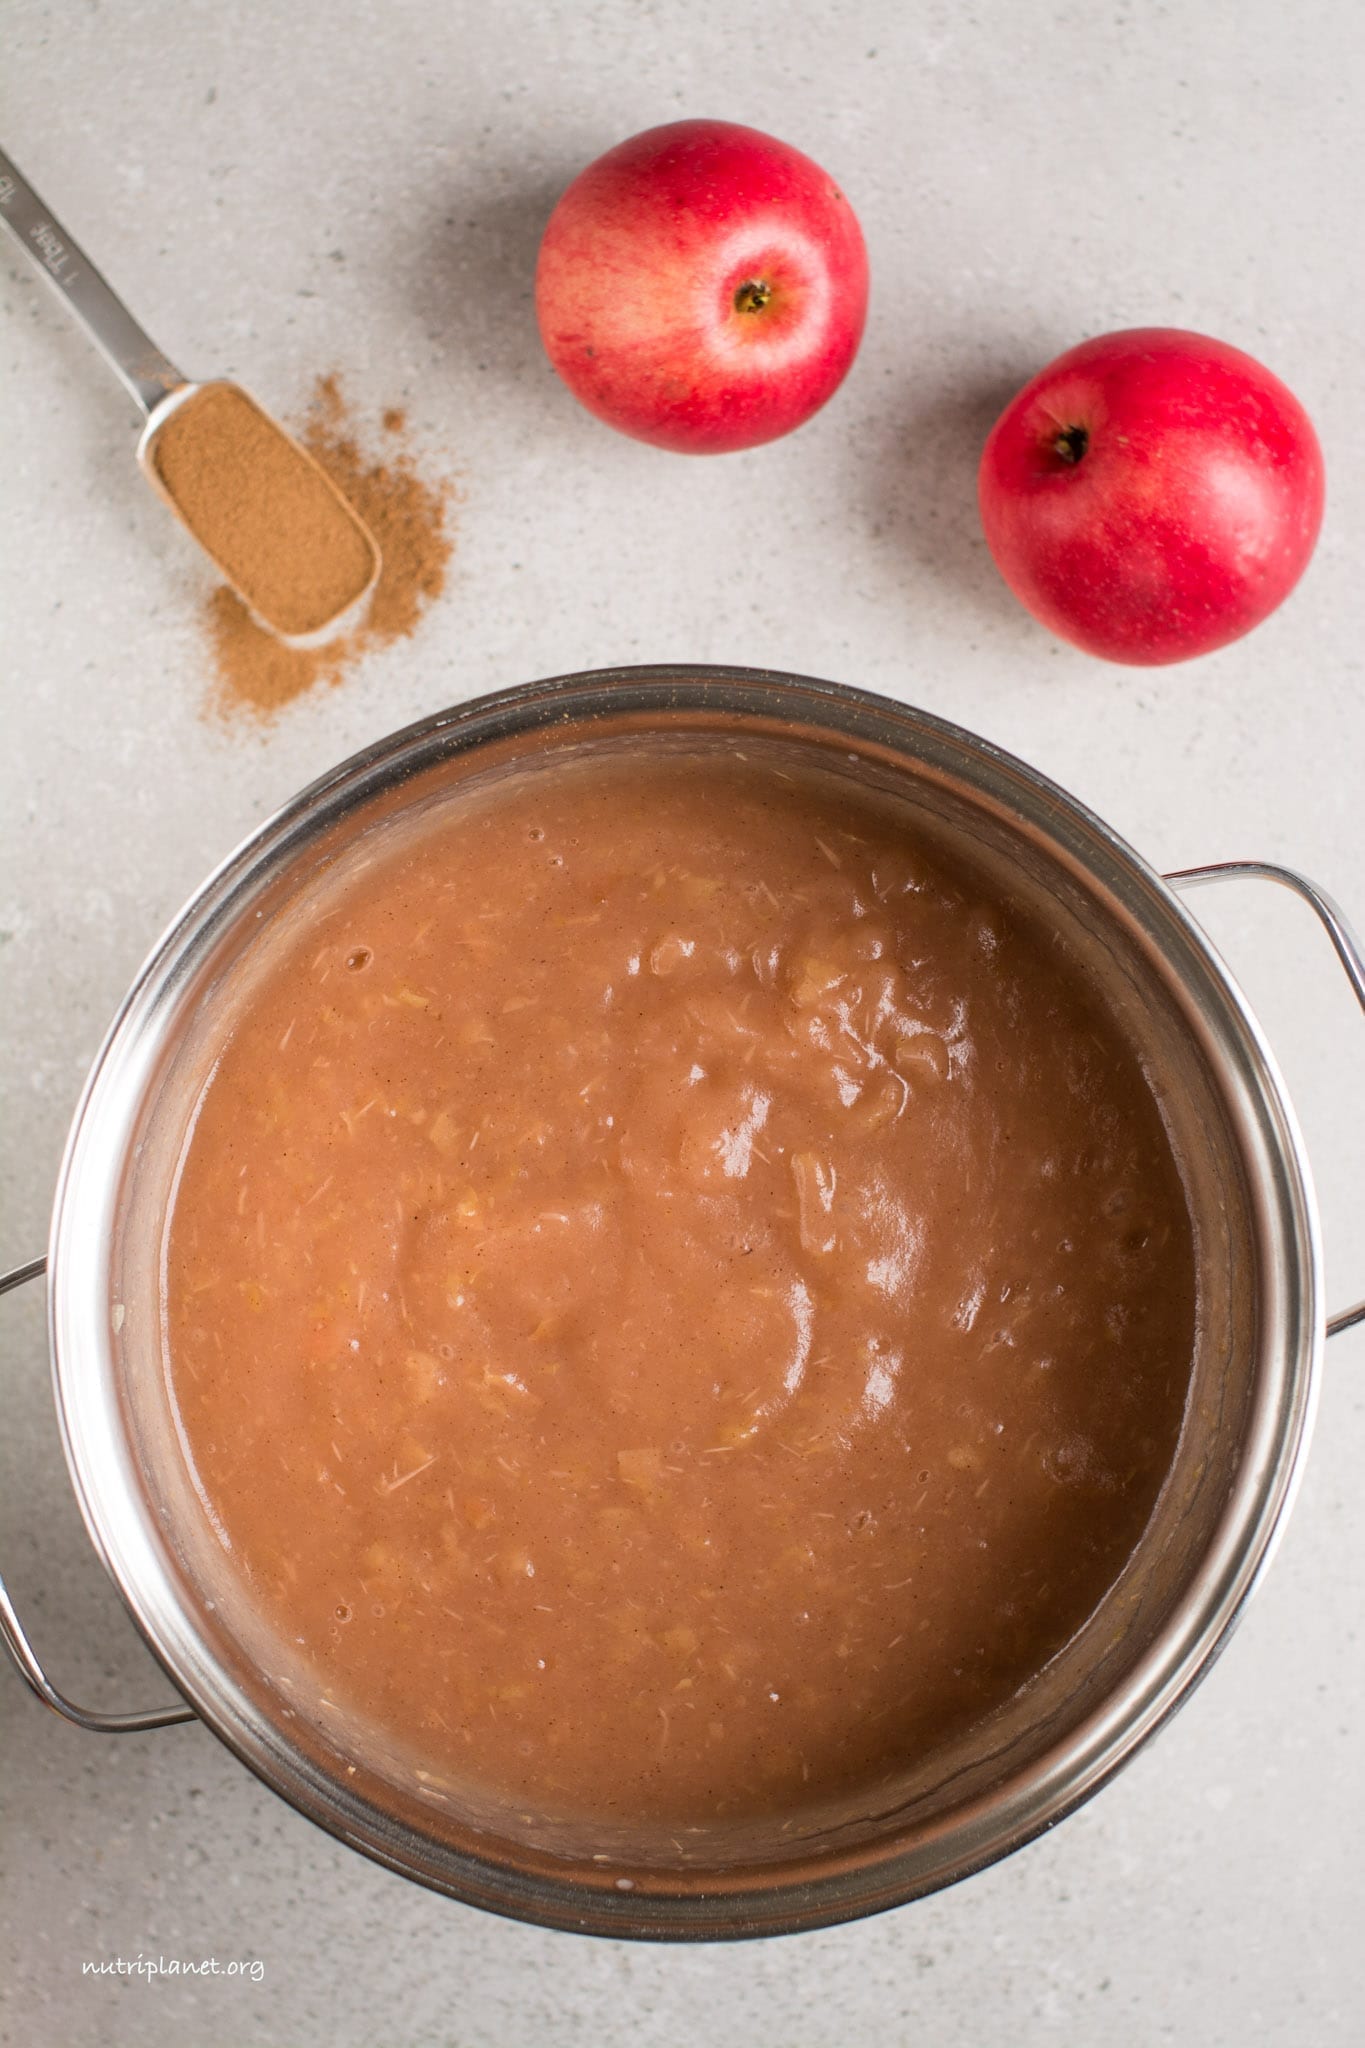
(678, 1298)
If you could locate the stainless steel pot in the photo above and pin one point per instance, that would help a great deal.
(1254, 1378)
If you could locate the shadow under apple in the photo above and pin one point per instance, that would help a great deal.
(922, 506)
(473, 267)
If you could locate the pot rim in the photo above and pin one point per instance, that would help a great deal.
(121, 1523)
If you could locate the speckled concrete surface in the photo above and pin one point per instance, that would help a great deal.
(280, 190)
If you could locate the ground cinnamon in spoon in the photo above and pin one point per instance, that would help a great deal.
(408, 514)
(257, 503)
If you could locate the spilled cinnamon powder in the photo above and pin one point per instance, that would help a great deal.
(408, 514)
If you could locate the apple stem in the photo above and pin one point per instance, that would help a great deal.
(1071, 444)
(753, 295)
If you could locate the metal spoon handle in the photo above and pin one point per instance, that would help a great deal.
(137, 360)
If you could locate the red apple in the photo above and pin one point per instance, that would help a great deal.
(702, 286)
(1152, 494)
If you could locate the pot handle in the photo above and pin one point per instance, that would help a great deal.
(1344, 941)
(25, 1657)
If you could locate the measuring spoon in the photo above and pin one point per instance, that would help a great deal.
(310, 511)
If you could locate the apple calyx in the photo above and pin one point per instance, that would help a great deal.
(753, 295)
(1070, 445)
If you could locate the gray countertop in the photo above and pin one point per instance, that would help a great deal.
(281, 190)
